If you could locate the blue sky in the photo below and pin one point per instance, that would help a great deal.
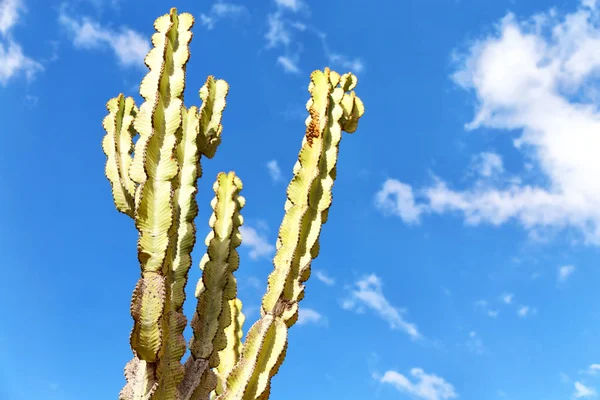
(460, 256)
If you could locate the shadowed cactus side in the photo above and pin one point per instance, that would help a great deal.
(155, 183)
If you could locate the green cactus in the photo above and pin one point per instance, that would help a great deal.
(156, 186)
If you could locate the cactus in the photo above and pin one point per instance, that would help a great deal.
(155, 183)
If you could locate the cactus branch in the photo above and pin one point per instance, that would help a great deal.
(118, 147)
(155, 338)
(308, 200)
(217, 288)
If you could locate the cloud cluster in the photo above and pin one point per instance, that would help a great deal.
(285, 23)
(221, 10)
(425, 386)
(257, 242)
(12, 59)
(475, 345)
(368, 293)
(323, 277)
(129, 46)
(565, 272)
(274, 170)
(532, 78)
(522, 310)
(309, 316)
(583, 391)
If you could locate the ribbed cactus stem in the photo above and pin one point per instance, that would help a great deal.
(217, 287)
(118, 147)
(331, 109)
(154, 338)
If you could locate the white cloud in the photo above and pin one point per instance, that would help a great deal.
(475, 345)
(221, 10)
(9, 14)
(258, 244)
(274, 170)
(323, 277)
(354, 65)
(308, 315)
(488, 164)
(12, 59)
(582, 391)
(129, 46)
(507, 298)
(291, 5)
(278, 32)
(565, 272)
(525, 77)
(369, 294)
(594, 369)
(425, 387)
(289, 65)
(397, 198)
(525, 311)
(484, 306)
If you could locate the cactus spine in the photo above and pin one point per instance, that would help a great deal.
(156, 186)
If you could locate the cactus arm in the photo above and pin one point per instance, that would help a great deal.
(117, 145)
(213, 94)
(309, 198)
(216, 288)
(154, 169)
(232, 343)
(199, 380)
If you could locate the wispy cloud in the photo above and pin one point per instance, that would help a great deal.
(507, 298)
(582, 391)
(323, 277)
(526, 311)
(12, 59)
(278, 32)
(565, 272)
(355, 65)
(219, 11)
(281, 34)
(593, 369)
(488, 164)
(129, 46)
(9, 14)
(289, 65)
(525, 82)
(474, 344)
(258, 243)
(425, 386)
(274, 170)
(292, 5)
(308, 315)
(485, 307)
(368, 293)
(397, 198)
